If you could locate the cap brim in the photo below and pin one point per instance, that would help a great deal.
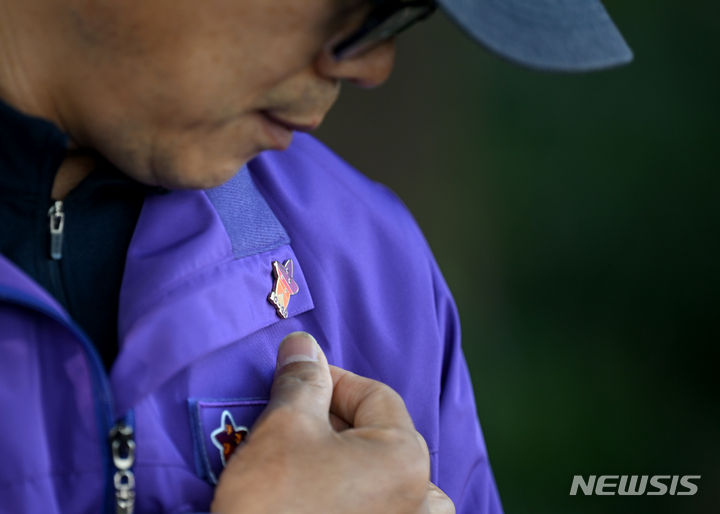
(552, 35)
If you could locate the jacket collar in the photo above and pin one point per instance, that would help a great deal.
(197, 278)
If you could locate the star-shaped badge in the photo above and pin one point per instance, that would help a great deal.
(285, 286)
(228, 436)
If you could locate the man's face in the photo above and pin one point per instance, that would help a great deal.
(182, 93)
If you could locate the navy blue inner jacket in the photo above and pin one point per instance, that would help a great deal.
(100, 217)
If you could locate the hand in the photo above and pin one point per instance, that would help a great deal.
(329, 441)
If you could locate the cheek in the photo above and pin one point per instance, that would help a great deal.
(215, 79)
(179, 79)
(195, 60)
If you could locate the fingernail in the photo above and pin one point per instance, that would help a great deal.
(297, 347)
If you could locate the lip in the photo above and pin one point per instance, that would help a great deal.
(280, 130)
(289, 124)
(279, 134)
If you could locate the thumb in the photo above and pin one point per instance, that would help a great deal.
(302, 377)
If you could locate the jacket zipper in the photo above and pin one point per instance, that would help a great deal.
(56, 214)
(119, 454)
(122, 448)
(56, 217)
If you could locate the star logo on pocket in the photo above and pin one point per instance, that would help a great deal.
(228, 436)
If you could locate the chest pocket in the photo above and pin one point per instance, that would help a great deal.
(218, 428)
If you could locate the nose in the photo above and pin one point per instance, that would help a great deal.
(369, 69)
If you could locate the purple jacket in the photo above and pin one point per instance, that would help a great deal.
(198, 339)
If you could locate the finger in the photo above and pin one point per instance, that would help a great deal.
(424, 508)
(338, 423)
(302, 379)
(364, 402)
(437, 501)
(426, 452)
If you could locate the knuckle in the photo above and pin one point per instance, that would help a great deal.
(302, 374)
(386, 396)
(441, 507)
(418, 468)
(408, 459)
(423, 443)
(439, 502)
(383, 391)
(393, 438)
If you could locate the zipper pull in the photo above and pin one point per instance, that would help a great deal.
(57, 225)
(122, 444)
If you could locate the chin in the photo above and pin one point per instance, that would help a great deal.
(201, 158)
(206, 179)
(196, 169)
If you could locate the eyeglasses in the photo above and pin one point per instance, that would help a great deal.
(386, 19)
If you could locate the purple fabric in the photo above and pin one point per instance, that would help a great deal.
(198, 337)
(48, 407)
(249, 222)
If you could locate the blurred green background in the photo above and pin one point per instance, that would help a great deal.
(576, 219)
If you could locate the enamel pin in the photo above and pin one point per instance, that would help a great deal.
(285, 286)
(228, 436)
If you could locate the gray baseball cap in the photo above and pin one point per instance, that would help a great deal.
(553, 35)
